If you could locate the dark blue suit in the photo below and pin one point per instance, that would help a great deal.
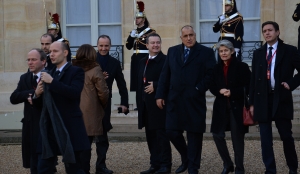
(65, 91)
(183, 86)
(275, 105)
(32, 113)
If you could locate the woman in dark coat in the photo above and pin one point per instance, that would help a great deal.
(230, 79)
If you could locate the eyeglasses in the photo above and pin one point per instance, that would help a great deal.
(32, 60)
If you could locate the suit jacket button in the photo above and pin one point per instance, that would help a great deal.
(258, 93)
(259, 79)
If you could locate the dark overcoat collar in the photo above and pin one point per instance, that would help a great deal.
(62, 72)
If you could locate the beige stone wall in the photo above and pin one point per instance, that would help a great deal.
(281, 12)
(21, 25)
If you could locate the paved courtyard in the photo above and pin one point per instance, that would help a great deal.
(133, 157)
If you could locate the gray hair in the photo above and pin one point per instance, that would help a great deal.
(186, 27)
(225, 43)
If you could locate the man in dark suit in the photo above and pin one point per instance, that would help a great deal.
(26, 90)
(182, 85)
(64, 83)
(149, 115)
(112, 71)
(272, 83)
(46, 40)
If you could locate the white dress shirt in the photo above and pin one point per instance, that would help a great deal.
(273, 63)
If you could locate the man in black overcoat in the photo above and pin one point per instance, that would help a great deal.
(111, 68)
(231, 27)
(25, 93)
(149, 115)
(62, 127)
(182, 85)
(272, 83)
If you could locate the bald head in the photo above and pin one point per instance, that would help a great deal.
(58, 53)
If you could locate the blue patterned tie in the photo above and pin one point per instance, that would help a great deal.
(186, 54)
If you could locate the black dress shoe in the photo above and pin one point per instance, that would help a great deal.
(227, 170)
(163, 170)
(181, 168)
(150, 170)
(293, 172)
(104, 170)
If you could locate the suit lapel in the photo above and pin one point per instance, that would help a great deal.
(279, 54)
(194, 53)
(179, 53)
(63, 71)
(28, 80)
(262, 57)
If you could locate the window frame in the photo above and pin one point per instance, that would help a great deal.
(94, 24)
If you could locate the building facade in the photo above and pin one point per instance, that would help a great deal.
(22, 22)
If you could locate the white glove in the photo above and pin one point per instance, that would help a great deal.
(236, 51)
(133, 33)
(222, 18)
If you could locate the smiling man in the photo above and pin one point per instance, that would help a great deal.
(270, 98)
(183, 82)
(149, 115)
(111, 68)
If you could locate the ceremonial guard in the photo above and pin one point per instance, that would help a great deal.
(54, 26)
(54, 29)
(296, 17)
(137, 41)
(230, 25)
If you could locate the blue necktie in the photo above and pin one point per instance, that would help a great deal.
(186, 54)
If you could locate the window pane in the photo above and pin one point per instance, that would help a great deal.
(79, 35)
(252, 30)
(210, 9)
(78, 11)
(206, 32)
(109, 11)
(213, 8)
(114, 32)
(249, 8)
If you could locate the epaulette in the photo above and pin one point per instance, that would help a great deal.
(240, 14)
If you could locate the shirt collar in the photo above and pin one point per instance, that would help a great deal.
(152, 57)
(62, 67)
(186, 48)
(274, 46)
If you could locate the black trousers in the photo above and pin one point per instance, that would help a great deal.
(46, 166)
(237, 137)
(284, 127)
(159, 148)
(190, 153)
(101, 150)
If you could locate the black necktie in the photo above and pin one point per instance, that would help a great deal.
(56, 74)
(34, 82)
(270, 54)
(269, 66)
(186, 54)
